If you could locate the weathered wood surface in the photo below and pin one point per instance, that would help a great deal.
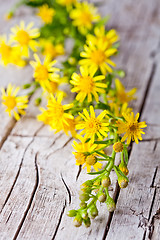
(39, 181)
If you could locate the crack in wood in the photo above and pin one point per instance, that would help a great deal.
(10, 127)
(31, 199)
(67, 188)
(79, 171)
(60, 219)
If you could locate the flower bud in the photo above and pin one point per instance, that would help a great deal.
(111, 206)
(83, 205)
(122, 182)
(123, 168)
(93, 211)
(72, 213)
(84, 214)
(102, 197)
(87, 222)
(83, 197)
(118, 147)
(106, 181)
(96, 184)
(77, 222)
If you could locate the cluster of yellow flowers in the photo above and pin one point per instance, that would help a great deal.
(92, 84)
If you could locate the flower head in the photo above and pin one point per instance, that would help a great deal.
(87, 85)
(44, 73)
(84, 155)
(98, 57)
(24, 36)
(57, 113)
(83, 15)
(51, 50)
(131, 127)
(110, 37)
(9, 53)
(92, 126)
(14, 104)
(122, 95)
(46, 14)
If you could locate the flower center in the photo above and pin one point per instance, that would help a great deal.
(93, 125)
(118, 147)
(91, 160)
(41, 73)
(86, 84)
(23, 37)
(123, 97)
(80, 158)
(10, 102)
(57, 110)
(98, 57)
(52, 87)
(133, 127)
(85, 18)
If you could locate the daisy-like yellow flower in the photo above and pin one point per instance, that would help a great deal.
(57, 114)
(10, 54)
(46, 14)
(51, 50)
(87, 85)
(24, 36)
(44, 73)
(97, 56)
(83, 16)
(43, 117)
(110, 37)
(122, 95)
(93, 126)
(84, 155)
(15, 105)
(131, 127)
(66, 3)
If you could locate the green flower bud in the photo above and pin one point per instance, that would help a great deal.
(84, 197)
(72, 213)
(83, 205)
(106, 181)
(111, 206)
(77, 222)
(38, 101)
(84, 214)
(87, 222)
(102, 197)
(122, 182)
(93, 211)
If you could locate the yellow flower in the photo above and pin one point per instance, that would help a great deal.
(44, 73)
(10, 54)
(46, 14)
(66, 3)
(117, 110)
(122, 95)
(109, 37)
(57, 114)
(131, 127)
(83, 15)
(93, 126)
(51, 50)
(97, 57)
(24, 37)
(14, 104)
(84, 155)
(87, 85)
(71, 126)
(43, 117)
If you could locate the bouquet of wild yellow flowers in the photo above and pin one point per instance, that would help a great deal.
(99, 115)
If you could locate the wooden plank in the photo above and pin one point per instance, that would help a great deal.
(138, 204)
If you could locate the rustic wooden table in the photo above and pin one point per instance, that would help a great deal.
(38, 177)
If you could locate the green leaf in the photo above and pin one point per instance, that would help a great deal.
(109, 141)
(104, 155)
(94, 173)
(103, 21)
